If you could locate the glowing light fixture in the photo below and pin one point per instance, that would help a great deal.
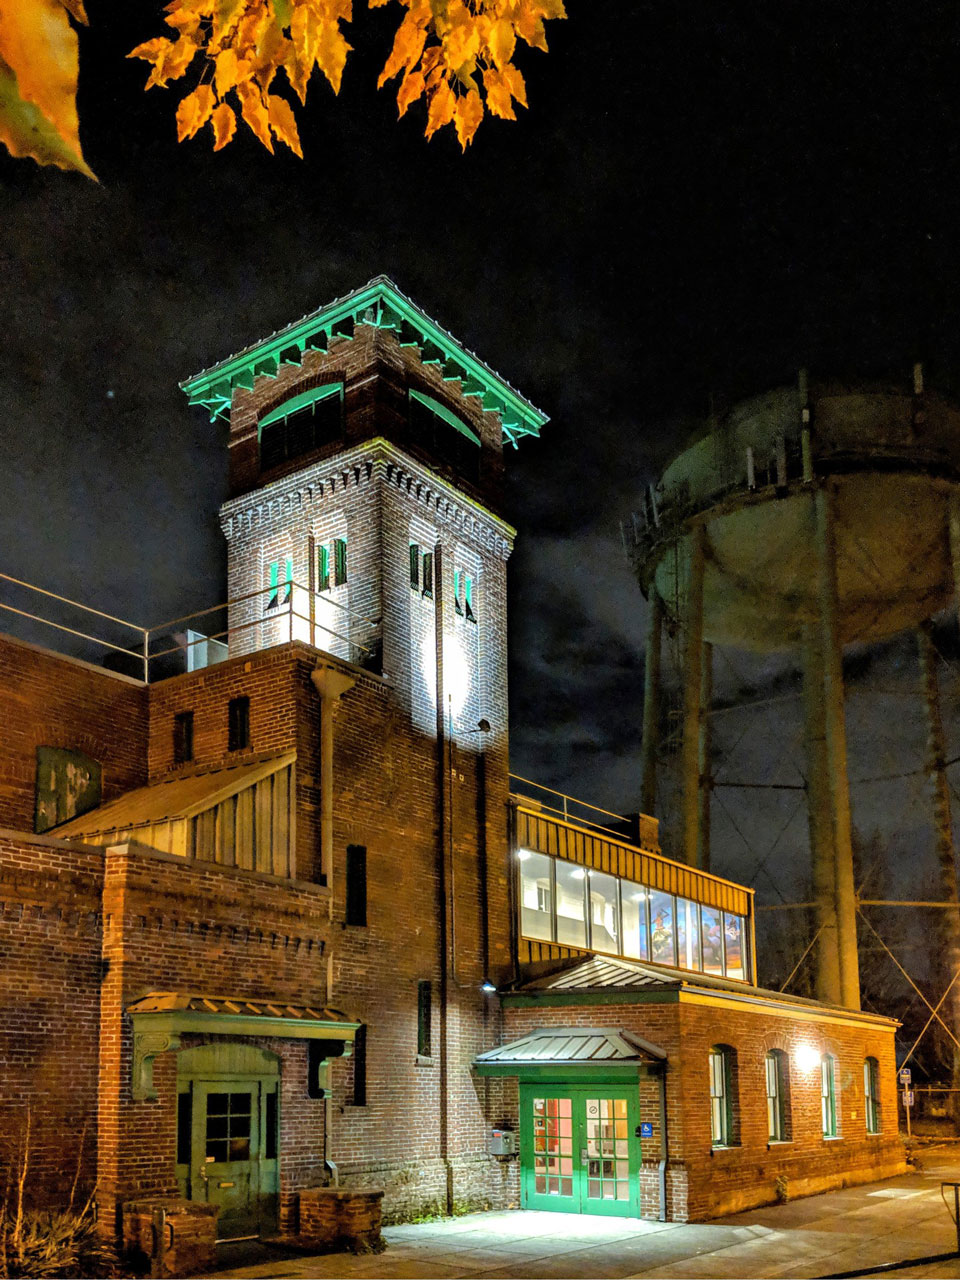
(807, 1057)
(487, 986)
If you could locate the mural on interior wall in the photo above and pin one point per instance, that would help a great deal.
(68, 784)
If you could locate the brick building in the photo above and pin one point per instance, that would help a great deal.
(277, 921)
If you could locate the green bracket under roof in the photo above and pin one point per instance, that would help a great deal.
(379, 303)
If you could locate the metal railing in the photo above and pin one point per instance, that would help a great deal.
(294, 616)
(570, 809)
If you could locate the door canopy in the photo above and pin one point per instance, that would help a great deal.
(612, 1051)
(160, 1018)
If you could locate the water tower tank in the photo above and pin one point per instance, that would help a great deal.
(803, 519)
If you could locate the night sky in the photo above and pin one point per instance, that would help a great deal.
(702, 197)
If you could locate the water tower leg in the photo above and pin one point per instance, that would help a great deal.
(706, 778)
(651, 704)
(692, 678)
(943, 827)
(819, 816)
(836, 740)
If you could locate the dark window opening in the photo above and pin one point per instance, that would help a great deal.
(339, 561)
(302, 431)
(182, 737)
(414, 566)
(360, 1067)
(184, 1125)
(356, 906)
(424, 1012)
(271, 1138)
(444, 441)
(238, 724)
(427, 589)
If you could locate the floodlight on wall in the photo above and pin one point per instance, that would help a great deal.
(807, 1057)
(487, 986)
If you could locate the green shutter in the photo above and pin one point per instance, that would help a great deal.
(414, 566)
(468, 598)
(457, 575)
(323, 569)
(274, 576)
(339, 561)
(428, 573)
(424, 1011)
(288, 581)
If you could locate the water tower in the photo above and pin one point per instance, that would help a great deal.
(803, 520)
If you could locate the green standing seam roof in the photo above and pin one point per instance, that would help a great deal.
(379, 303)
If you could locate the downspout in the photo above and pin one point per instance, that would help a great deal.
(662, 1167)
(444, 821)
(330, 683)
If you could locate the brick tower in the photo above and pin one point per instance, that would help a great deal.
(366, 465)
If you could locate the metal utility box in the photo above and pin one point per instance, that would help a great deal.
(503, 1142)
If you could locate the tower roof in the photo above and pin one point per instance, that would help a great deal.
(379, 303)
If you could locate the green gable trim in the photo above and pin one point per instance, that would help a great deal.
(571, 1073)
(445, 415)
(379, 303)
(559, 999)
(305, 398)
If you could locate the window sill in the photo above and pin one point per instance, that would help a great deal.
(422, 1060)
(833, 1137)
(726, 1146)
(779, 1142)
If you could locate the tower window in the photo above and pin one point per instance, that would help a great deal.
(238, 724)
(427, 578)
(280, 588)
(183, 737)
(339, 561)
(304, 423)
(438, 430)
(414, 566)
(463, 597)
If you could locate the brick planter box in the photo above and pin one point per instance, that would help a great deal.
(332, 1218)
(189, 1235)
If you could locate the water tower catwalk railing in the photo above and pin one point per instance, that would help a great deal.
(801, 521)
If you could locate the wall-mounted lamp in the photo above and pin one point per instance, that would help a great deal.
(488, 987)
(807, 1057)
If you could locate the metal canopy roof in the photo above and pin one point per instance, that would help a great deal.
(381, 304)
(178, 798)
(587, 1046)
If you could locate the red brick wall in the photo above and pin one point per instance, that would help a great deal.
(50, 701)
(49, 1010)
(706, 1181)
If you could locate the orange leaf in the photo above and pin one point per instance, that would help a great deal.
(412, 87)
(284, 123)
(503, 41)
(498, 94)
(461, 41)
(512, 78)
(173, 61)
(38, 101)
(194, 111)
(332, 53)
(225, 71)
(151, 50)
(530, 28)
(183, 20)
(224, 126)
(407, 46)
(254, 112)
(76, 11)
(440, 109)
(467, 117)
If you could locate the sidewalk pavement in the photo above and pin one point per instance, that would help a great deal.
(838, 1231)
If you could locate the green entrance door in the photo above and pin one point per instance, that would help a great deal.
(227, 1136)
(579, 1150)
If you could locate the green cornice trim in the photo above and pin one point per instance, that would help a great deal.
(381, 304)
(445, 415)
(560, 999)
(313, 396)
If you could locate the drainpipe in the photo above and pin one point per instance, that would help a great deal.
(331, 684)
(662, 1166)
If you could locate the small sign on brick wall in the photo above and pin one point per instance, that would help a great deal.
(68, 784)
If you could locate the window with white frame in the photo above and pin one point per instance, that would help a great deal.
(828, 1095)
(721, 1110)
(775, 1065)
(871, 1094)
